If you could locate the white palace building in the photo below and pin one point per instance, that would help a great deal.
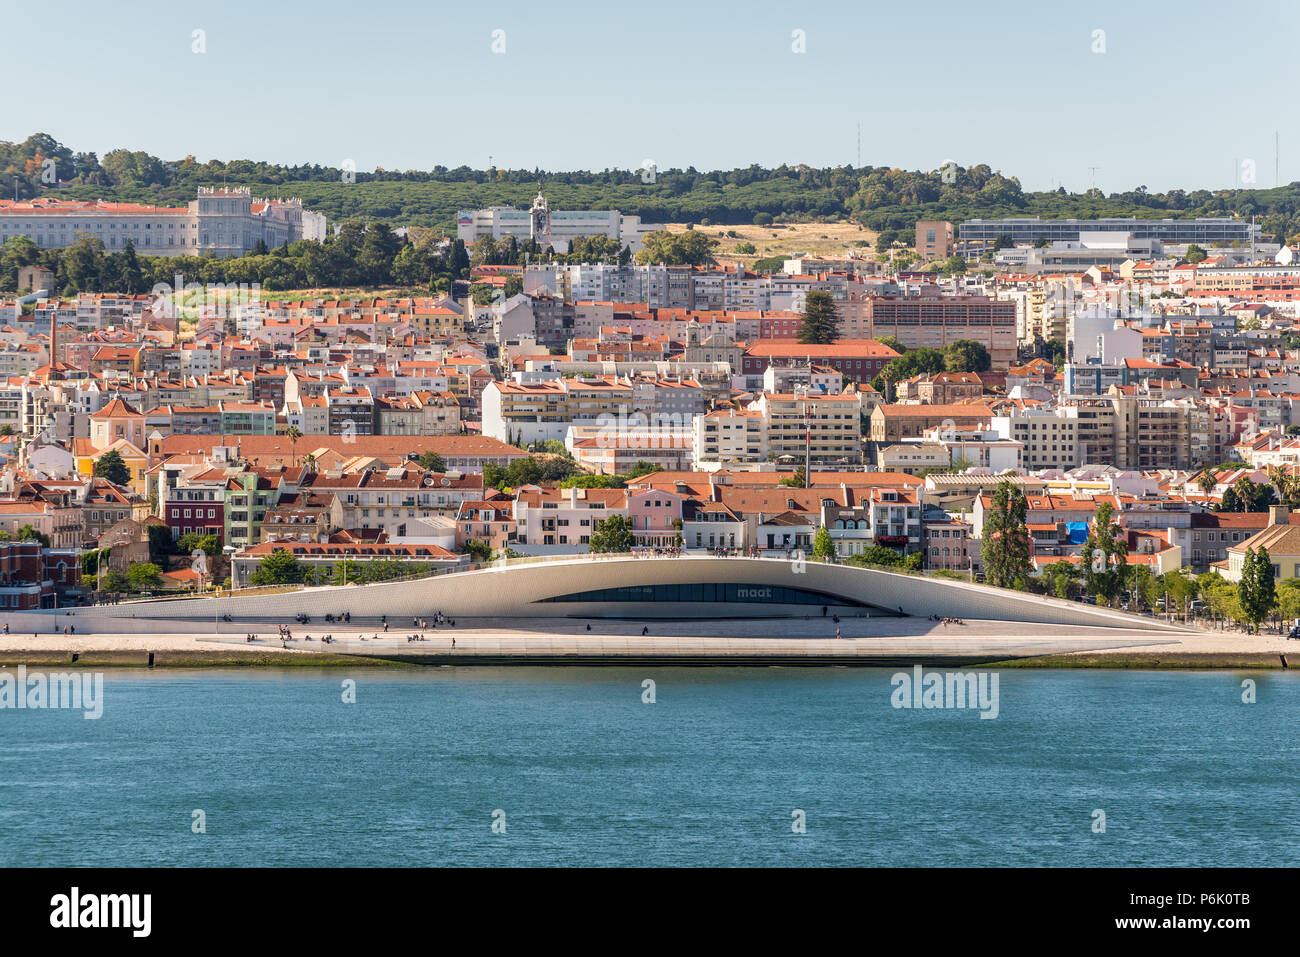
(551, 228)
(223, 222)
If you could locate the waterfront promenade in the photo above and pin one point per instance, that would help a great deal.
(882, 641)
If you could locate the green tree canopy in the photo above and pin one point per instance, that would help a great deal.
(1061, 579)
(613, 534)
(920, 361)
(1256, 589)
(187, 543)
(432, 461)
(821, 320)
(144, 576)
(1005, 549)
(478, 550)
(281, 567)
(27, 532)
(1105, 555)
(111, 467)
(966, 355)
(689, 248)
(1245, 495)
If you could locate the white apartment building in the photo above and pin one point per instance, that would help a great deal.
(536, 411)
(800, 425)
(977, 447)
(729, 436)
(1049, 438)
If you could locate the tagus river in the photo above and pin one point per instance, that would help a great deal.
(544, 766)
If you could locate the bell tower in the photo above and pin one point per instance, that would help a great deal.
(541, 220)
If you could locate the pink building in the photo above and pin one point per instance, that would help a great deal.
(655, 516)
(490, 522)
(948, 545)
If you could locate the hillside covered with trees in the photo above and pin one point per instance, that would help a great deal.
(886, 200)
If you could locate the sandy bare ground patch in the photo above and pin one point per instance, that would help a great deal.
(816, 239)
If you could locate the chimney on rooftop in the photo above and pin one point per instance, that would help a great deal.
(1279, 515)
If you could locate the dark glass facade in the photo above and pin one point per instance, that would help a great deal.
(710, 592)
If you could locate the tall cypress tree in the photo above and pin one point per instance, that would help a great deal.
(132, 275)
(1256, 590)
(1005, 547)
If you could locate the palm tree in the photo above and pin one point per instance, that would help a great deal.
(1207, 481)
(294, 434)
(1284, 483)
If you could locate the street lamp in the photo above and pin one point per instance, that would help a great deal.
(228, 551)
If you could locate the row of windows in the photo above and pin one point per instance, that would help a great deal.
(198, 513)
(22, 226)
(706, 591)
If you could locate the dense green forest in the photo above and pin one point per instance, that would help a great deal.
(883, 199)
(368, 255)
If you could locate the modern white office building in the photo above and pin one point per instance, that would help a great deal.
(1207, 231)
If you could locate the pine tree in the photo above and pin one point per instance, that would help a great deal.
(112, 467)
(821, 320)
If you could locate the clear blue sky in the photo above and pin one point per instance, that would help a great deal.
(410, 84)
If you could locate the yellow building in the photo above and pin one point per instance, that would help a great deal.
(116, 427)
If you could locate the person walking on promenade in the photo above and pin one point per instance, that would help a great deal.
(837, 633)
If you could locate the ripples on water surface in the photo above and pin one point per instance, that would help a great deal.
(708, 775)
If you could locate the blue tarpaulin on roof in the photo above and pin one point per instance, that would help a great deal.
(1078, 532)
